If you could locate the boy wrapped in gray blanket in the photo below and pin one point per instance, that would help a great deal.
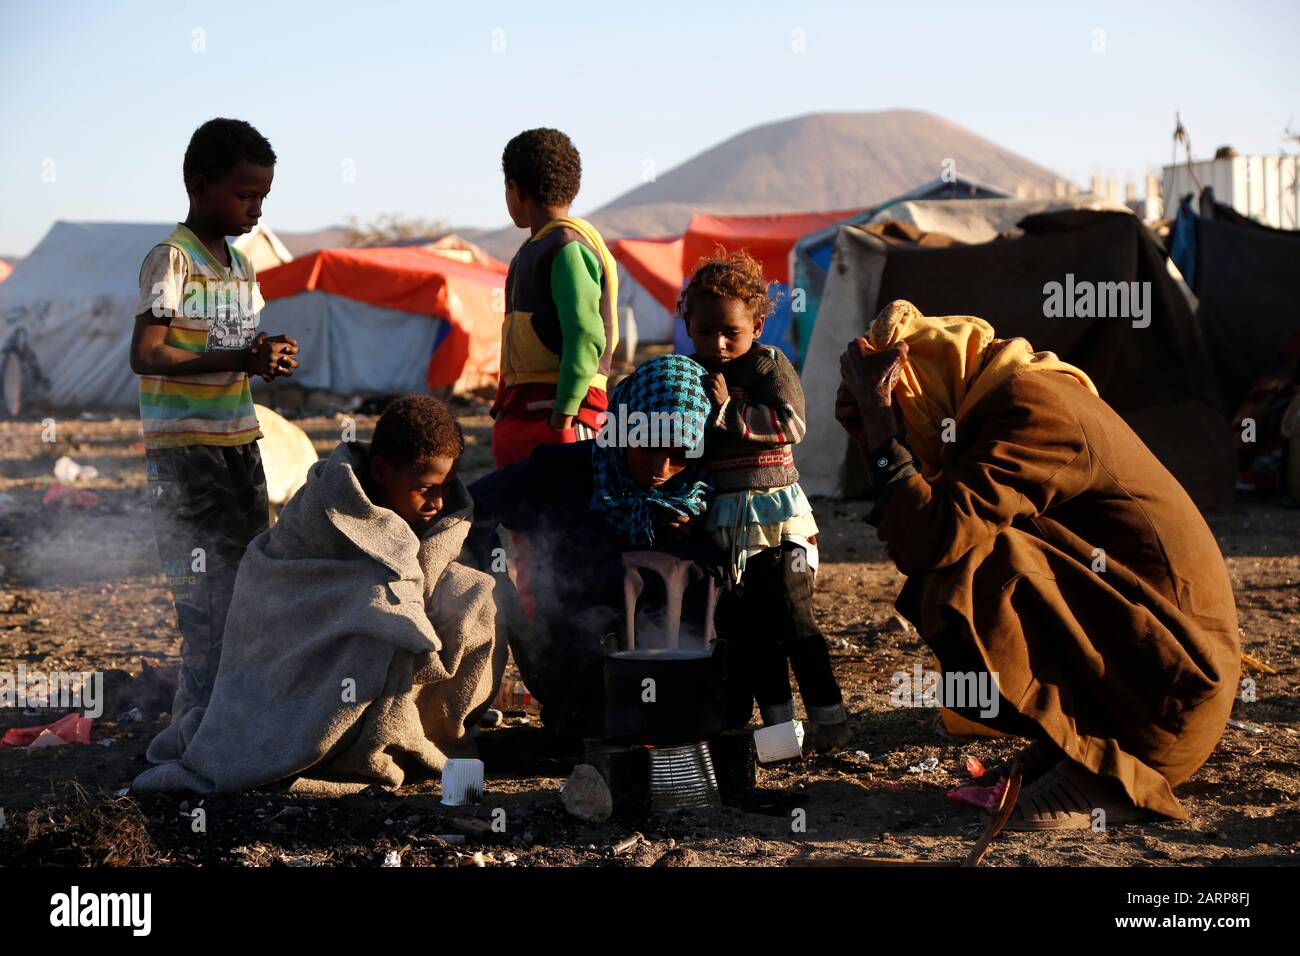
(357, 650)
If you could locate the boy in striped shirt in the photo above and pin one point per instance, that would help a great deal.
(194, 346)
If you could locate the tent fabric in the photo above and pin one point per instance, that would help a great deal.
(467, 296)
(655, 264)
(75, 294)
(352, 348)
(768, 239)
(1248, 280)
(982, 214)
(651, 322)
(811, 256)
(1158, 378)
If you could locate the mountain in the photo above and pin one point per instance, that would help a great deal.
(815, 162)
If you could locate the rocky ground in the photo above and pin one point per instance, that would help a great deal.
(80, 590)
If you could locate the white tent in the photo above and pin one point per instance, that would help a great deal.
(75, 297)
(653, 323)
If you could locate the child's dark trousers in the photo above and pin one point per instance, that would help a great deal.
(208, 502)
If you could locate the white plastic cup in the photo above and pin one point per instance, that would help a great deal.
(462, 782)
(782, 741)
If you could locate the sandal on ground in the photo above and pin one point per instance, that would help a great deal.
(1067, 797)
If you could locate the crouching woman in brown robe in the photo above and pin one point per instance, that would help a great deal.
(1045, 545)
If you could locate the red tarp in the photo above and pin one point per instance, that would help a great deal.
(468, 296)
(662, 265)
(768, 239)
(656, 264)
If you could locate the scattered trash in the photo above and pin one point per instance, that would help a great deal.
(783, 741)
(626, 844)
(974, 767)
(47, 738)
(16, 604)
(981, 798)
(862, 755)
(70, 729)
(1256, 663)
(586, 795)
(302, 860)
(1245, 727)
(452, 839)
(133, 715)
(462, 782)
(392, 858)
(925, 766)
(478, 859)
(106, 742)
(514, 696)
(508, 857)
(122, 793)
(68, 471)
(472, 826)
(61, 496)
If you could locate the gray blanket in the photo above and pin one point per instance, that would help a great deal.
(355, 652)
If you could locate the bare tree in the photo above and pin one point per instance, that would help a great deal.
(389, 227)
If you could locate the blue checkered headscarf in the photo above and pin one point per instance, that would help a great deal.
(667, 385)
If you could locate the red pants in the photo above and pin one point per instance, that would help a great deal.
(522, 415)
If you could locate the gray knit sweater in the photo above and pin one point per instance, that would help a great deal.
(747, 444)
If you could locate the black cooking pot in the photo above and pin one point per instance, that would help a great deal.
(663, 696)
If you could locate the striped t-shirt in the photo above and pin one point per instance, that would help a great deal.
(212, 308)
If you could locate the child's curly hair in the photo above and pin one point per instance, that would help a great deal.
(736, 275)
(545, 164)
(415, 429)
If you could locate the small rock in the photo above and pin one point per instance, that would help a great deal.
(897, 625)
(586, 795)
(679, 856)
(472, 826)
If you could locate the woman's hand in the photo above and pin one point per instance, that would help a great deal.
(864, 402)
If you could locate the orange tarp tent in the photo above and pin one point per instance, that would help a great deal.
(470, 297)
(768, 239)
(662, 265)
(654, 263)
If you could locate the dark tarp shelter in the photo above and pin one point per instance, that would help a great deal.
(1159, 378)
(1247, 278)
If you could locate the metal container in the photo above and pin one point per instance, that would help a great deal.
(667, 696)
(734, 765)
(682, 778)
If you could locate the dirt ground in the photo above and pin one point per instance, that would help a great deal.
(80, 590)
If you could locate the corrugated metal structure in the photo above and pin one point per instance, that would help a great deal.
(1263, 188)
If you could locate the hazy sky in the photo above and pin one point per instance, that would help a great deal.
(415, 100)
